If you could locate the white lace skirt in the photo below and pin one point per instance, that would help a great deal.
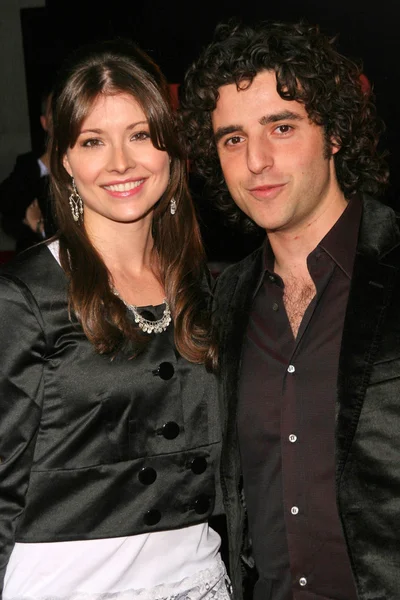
(211, 584)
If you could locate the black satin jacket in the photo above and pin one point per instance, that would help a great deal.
(367, 409)
(92, 447)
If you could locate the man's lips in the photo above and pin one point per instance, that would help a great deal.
(266, 191)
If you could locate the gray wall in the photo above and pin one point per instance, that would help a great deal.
(14, 119)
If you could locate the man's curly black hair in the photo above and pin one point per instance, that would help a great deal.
(309, 70)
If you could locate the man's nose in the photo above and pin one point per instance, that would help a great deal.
(259, 155)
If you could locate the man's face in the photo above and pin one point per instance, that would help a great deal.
(274, 159)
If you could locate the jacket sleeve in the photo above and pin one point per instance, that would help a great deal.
(21, 389)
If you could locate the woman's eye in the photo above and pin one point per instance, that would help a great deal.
(91, 143)
(141, 135)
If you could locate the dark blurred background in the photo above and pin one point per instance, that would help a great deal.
(173, 33)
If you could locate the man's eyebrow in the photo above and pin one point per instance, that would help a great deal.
(222, 131)
(286, 115)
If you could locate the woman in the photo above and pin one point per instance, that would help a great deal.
(109, 434)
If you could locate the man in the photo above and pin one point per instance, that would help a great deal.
(25, 203)
(309, 324)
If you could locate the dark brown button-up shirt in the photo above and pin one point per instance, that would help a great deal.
(286, 426)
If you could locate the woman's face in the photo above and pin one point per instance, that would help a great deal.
(118, 172)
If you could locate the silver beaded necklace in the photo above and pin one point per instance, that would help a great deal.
(144, 324)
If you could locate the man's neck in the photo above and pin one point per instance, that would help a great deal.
(292, 247)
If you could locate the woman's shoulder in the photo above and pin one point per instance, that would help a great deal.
(33, 268)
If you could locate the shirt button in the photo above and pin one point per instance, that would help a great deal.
(271, 278)
(291, 369)
(275, 306)
(147, 475)
(165, 371)
(152, 517)
(170, 430)
(294, 510)
(201, 504)
(303, 581)
(292, 438)
(198, 465)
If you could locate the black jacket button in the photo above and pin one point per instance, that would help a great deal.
(170, 430)
(198, 465)
(147, 475)
(152, 517)
(165, 370)
(201, 504)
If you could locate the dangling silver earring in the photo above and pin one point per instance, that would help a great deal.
(75, 202)
(172, 206)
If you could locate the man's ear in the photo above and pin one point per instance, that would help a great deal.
(66, 165)
(43, 122)
(335, 146)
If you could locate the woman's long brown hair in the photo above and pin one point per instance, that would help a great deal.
(114, 67)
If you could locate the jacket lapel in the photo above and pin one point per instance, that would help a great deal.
(374, 275)
(235, 296)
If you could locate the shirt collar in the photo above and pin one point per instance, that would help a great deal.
(340, 242)
(43, 169)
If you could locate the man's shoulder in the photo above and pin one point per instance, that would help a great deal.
(27, 157)
(26, 168)
(379, 229)
(28, 160)
(236, 282)
(379, 206)
(243, 267)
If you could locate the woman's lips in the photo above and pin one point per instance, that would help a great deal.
(126, 188)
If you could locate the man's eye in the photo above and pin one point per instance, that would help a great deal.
(284, 128)
(233, 141)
